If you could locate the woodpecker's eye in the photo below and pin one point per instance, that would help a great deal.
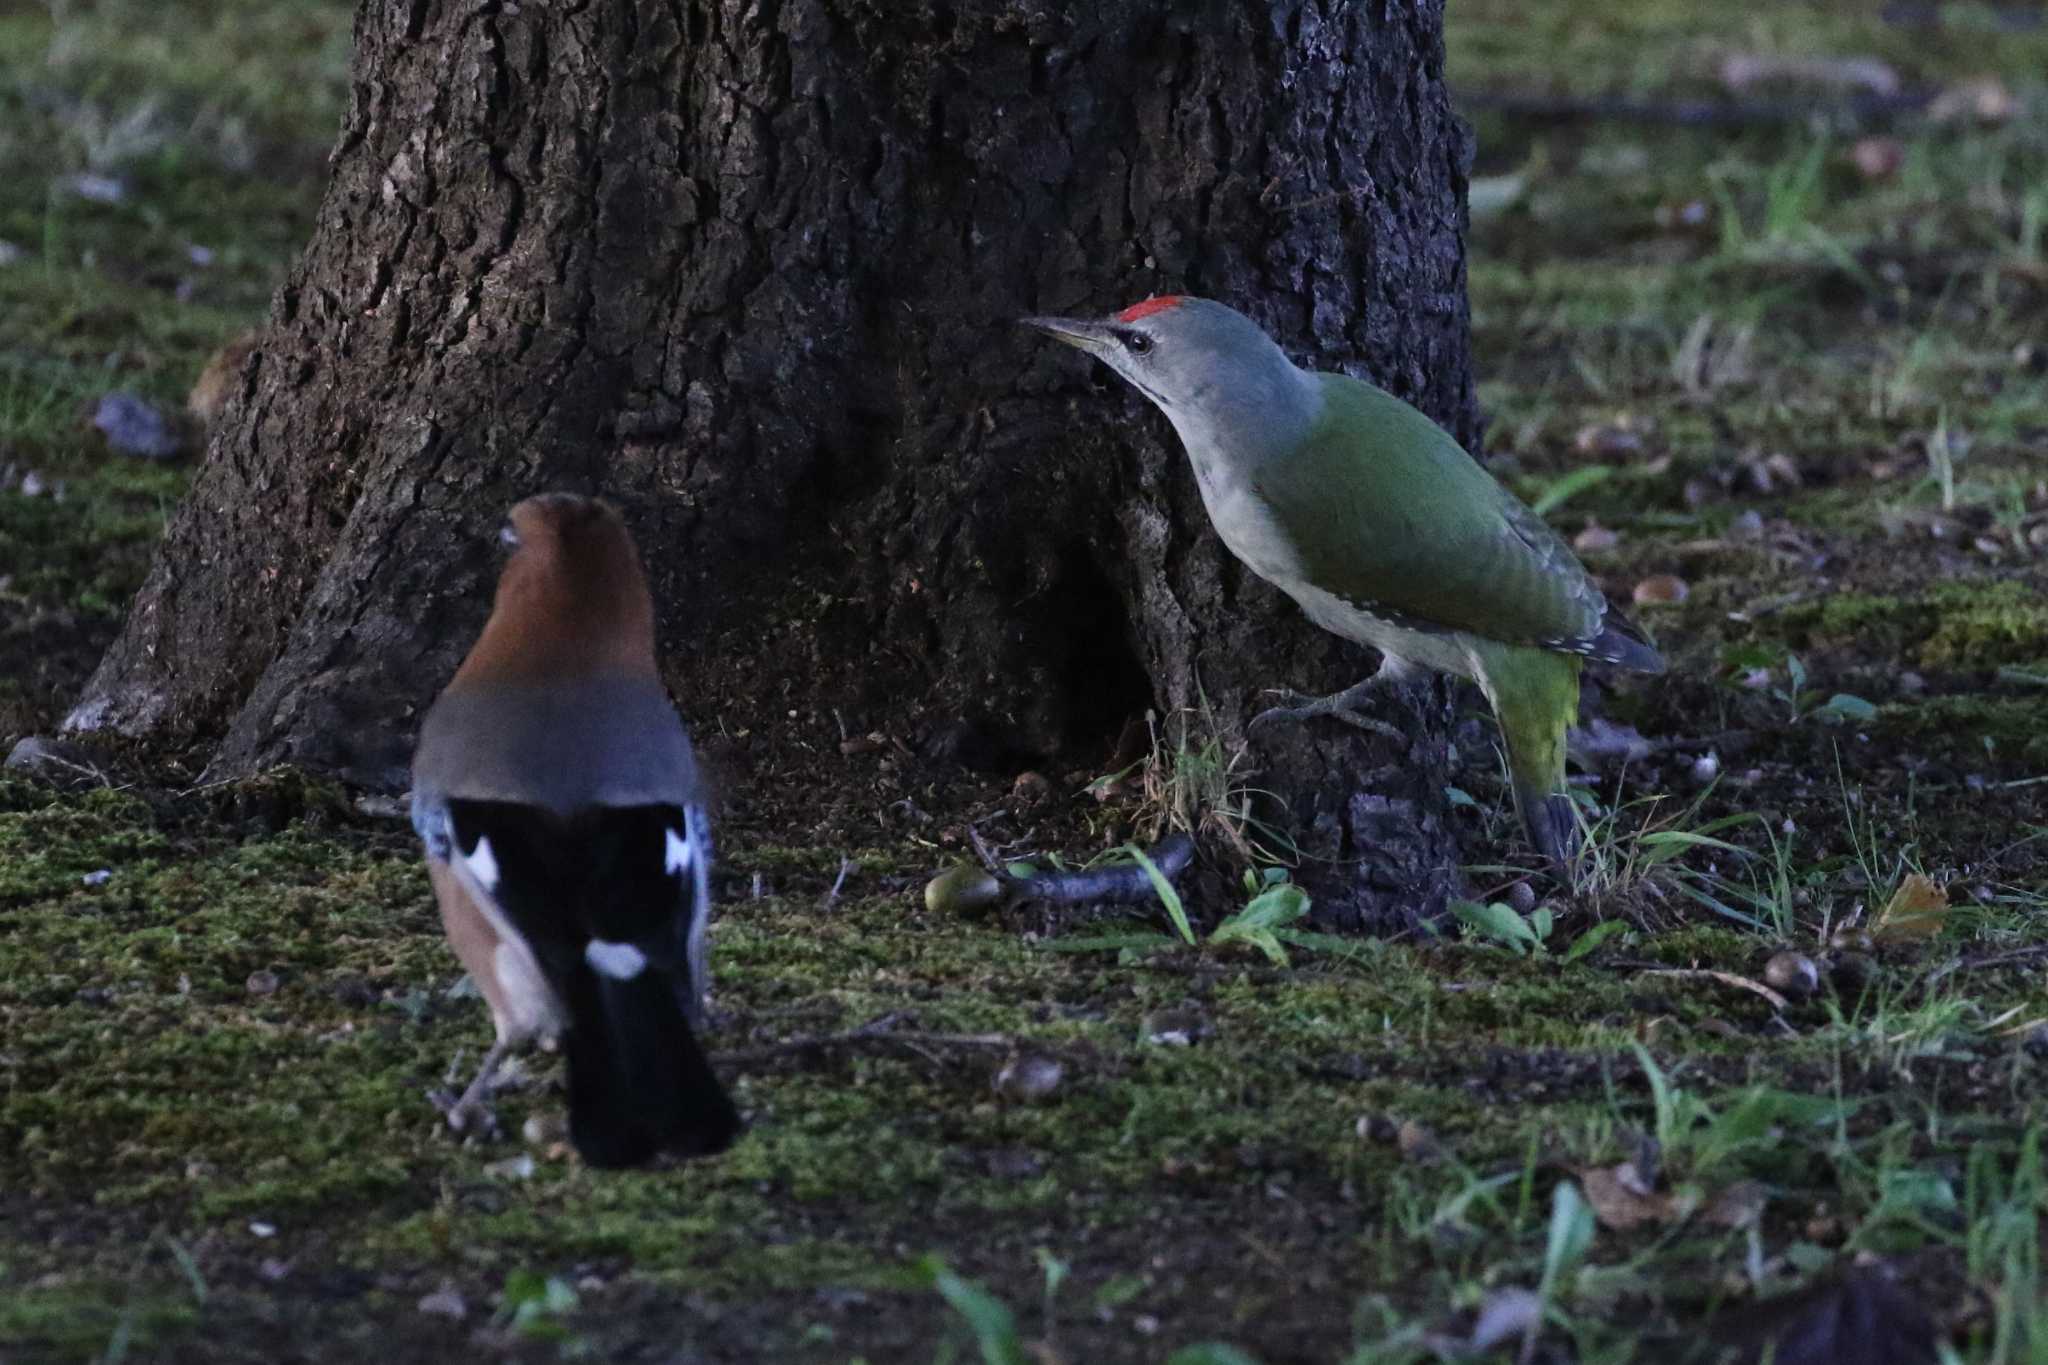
(1137, 343)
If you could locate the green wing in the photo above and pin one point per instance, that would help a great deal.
(1390, 513)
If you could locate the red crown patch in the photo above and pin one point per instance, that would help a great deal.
(1151, 306)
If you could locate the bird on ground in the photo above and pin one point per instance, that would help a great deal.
(567, 842)
(1383, 528)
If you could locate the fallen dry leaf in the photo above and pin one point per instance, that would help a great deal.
(1418, 1144)
(216, 382)
(1659, 590)
(1607, 441)
(1595, 539)
(1031, 788)
(1916, 910)
(1986, 99)
(1738, 1205)
(1621, 1199)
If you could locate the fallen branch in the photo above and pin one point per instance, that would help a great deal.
(964, 888)
(1117, 884)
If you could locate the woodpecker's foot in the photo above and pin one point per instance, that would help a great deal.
(1342, 706)
(472, 1108)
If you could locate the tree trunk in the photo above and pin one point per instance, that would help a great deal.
(750, 268)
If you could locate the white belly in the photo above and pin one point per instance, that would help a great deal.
(1445, 653)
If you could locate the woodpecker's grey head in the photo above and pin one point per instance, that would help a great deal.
(1225, 384)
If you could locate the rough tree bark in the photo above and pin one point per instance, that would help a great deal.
(750, 268)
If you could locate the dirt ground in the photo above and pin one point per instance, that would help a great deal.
(1761, 306)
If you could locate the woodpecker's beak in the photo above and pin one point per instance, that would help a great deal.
(1076, 332)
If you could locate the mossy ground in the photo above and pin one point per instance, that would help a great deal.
(213, 1137)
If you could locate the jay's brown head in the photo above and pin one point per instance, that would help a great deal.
(572, 597)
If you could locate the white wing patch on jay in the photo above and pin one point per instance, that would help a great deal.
(483, 865)
(619, 961)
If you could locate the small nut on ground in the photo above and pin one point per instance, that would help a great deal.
(542, 1130)
(1418, 1144)
(1376, 1128)
(1029, 1077)
(1175, 1027)
(1854, 939)
(1031, 788)
(1792, 973)
(961, 889)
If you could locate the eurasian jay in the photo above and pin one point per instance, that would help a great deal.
(567, 842)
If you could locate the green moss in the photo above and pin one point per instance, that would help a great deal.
(92, 1320)
(1657, 49)
(1953, 626)
(775, 859)
(1974, 729)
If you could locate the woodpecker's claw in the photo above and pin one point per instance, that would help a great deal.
(1302, 707)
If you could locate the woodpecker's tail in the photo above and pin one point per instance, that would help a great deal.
(639, 1083)
(1535, 696)
(1553, 828)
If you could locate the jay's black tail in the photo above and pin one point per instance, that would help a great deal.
(639, 1084)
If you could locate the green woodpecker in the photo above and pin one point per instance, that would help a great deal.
(1382, 528)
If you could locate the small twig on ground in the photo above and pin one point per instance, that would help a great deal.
(879, 1031)
(983, 852)
(1971, 964)
(845, 866)
(1204, 969)
(1778, 1002)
